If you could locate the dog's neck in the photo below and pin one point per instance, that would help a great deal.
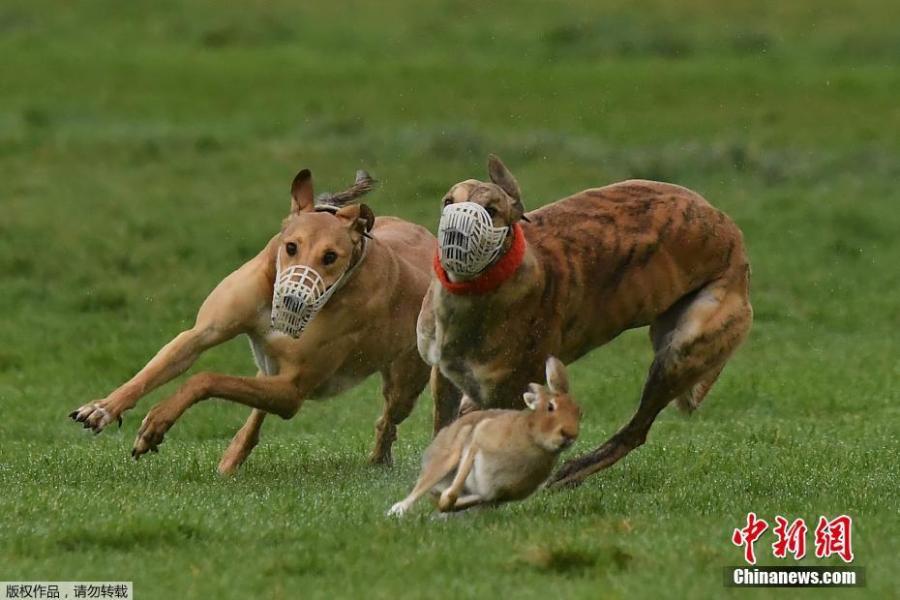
(491, 278)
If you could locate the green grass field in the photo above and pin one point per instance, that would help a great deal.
(146, 153)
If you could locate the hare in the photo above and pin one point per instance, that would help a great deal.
(494, 456)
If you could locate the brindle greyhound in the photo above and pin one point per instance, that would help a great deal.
(572, 277)
(367, 326)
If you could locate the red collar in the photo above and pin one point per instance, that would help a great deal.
(493, 277)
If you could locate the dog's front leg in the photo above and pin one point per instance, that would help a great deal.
(171, 361)
(281, 395)
(227, 311)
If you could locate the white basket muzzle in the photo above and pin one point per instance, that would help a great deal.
(300, 293)
(468, 240)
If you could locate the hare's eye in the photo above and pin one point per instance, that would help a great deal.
(329, 257)
(290, 248)
(551, 406)
(491, 211)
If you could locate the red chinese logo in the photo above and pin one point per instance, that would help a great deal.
(831, 537)
(791, 539)
(748, 535)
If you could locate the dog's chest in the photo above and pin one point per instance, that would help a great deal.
(274, 351)
(478, 350)
(464, 331)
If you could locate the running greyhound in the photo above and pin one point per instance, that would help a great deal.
(351, 283)
(512, 289)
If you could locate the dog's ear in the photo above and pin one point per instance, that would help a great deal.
(302, 196)
(501, 176)
(557, 378)
(366, 218)
(358, 217)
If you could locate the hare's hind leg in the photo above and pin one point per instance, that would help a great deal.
(402, 382)
(692, 341)
(433, 472)
(449, 496)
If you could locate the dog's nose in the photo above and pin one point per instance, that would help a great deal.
(292, 303)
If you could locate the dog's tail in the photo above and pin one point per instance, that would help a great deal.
(364, 184)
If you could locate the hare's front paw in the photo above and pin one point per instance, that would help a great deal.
(399, 509)
(447, 501)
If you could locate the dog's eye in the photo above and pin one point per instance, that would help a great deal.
(448, 201)
(290, 248)
(491, 211)
(329, 257)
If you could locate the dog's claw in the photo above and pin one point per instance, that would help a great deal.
(96, 415)
(152, 432)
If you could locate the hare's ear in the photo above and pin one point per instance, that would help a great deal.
(302, 192)
(557, 378)
(533, 396)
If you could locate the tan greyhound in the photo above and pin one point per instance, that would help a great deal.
(361, 278)
(572, 277)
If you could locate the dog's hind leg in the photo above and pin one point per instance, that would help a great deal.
(402, 382)
(690, 400)
(662, 331)
(247, 437)
(708, 326)
(243, 443)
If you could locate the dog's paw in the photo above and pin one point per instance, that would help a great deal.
(96, 415)
(384, 459)
(152, 432)
(398, 510)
